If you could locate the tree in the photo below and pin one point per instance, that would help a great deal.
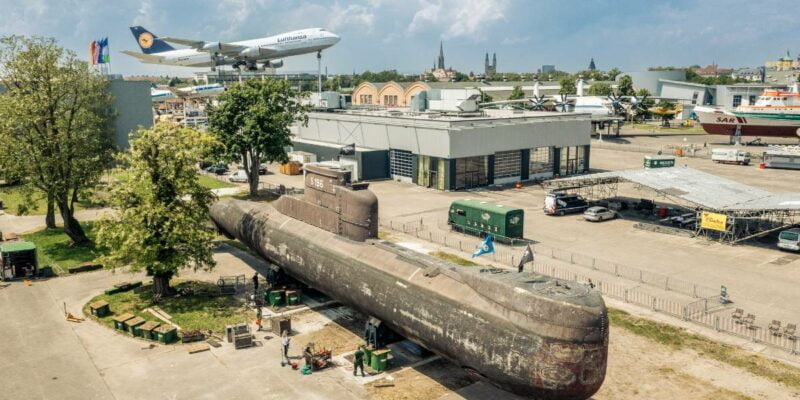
(55, 124)
(252, 122)
(600, 89)
(516, 93)
(485, 98)
(625, 86)
(567, 86)
(613, 73)
(161, 224)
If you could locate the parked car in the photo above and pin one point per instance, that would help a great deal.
(730, 156)
(789, 239)
(219, 169)
(239, 176)
(598, 214)
(262, 169)
(562, 203)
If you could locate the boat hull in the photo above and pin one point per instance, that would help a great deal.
(721, 122)
(465, 320)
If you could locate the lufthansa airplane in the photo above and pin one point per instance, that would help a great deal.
(267, 51)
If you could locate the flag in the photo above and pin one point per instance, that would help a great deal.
(106, 53)
(527, 257)
(348, 150)
(99, 55)
(93, 52)
(486, 247)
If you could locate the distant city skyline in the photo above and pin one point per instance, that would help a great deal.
(405, 36)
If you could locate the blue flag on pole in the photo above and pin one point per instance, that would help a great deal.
(106, 54)
(486, 247)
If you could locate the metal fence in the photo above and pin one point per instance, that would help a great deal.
(704, 311)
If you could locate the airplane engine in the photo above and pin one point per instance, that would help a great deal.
(212, 47)
(250, 52)
(273, 64)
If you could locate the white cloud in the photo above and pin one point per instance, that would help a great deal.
(458, 18)
(510, 41)
(353, 14)
(144, 15)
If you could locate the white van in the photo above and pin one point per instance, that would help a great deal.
(789, 239)
(730, 156)
(239, 176)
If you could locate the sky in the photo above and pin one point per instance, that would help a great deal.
(404, 35)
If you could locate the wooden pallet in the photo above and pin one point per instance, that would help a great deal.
(196, 347)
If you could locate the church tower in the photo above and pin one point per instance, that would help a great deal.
(440, 64)
(591, 65)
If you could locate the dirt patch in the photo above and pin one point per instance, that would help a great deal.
(639, 368)
(332, 336)
(426, 382)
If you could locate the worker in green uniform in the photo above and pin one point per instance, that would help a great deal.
(358, 361)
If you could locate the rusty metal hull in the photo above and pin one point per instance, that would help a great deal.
(523, 332)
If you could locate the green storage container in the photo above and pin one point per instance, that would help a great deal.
(479, 217)
(292, 298)
(380, 360)
(275, 298)
(134, 323)
(166, 334)
(100, 308)
(146, 330)
(119, 321)
(659, 161)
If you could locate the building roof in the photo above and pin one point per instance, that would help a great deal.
(696, 187)
(11, 247)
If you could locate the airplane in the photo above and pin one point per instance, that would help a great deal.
(191, 92)
(267, 51)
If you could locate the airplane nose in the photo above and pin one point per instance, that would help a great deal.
(335, 38)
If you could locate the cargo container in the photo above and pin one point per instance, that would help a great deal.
(730, 156)
(480, 218)
(787, 159)
(659, 161)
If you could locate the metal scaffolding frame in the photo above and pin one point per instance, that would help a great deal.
(750, 212)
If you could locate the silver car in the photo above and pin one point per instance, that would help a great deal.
(789, 239)
(597, 214)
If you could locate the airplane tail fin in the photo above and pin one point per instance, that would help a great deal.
(148, 42)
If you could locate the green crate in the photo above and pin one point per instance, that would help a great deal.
(146, 329)
(292, 298)
(134, 323)
(100, 308)
(380, 360)
(276, 298)
(119, 321)
(166, 334)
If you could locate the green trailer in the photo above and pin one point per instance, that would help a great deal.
(481, 218)
(18, 260)
(659, 161)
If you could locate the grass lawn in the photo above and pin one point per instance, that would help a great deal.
(54, 247)
(453, 259)
(12, 199)
(214, 183)
(203, 309)
(678, 338)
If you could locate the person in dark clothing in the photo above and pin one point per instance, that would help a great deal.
(255, 283)
(358, 361)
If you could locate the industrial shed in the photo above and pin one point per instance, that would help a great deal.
(727, 210)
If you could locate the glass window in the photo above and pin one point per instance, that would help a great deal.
(470, 172)
(507, 164)
(737, 100)
(400, 163)
(752, 100)
(541, 160)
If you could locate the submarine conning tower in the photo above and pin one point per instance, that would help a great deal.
(333, 203)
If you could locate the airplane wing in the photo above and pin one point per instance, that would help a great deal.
(146, 58)
(200, 45)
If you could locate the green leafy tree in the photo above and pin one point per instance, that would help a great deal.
(613, 73)
(485, 98)
(252, 122)
(625, 85)
(55, 124)
(567, 86)
(516, 93)
(600, 89)
(161, 224)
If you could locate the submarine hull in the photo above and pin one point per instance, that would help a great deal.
(463, 317)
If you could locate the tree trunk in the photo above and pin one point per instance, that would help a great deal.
(71, 226)
(251, 168)
(161, 286)
(50, 218)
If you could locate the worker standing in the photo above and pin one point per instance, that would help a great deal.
(258, 317)
(285, 347)
(358, 361)
(255, 283)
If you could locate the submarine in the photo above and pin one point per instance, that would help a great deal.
(523, 332)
